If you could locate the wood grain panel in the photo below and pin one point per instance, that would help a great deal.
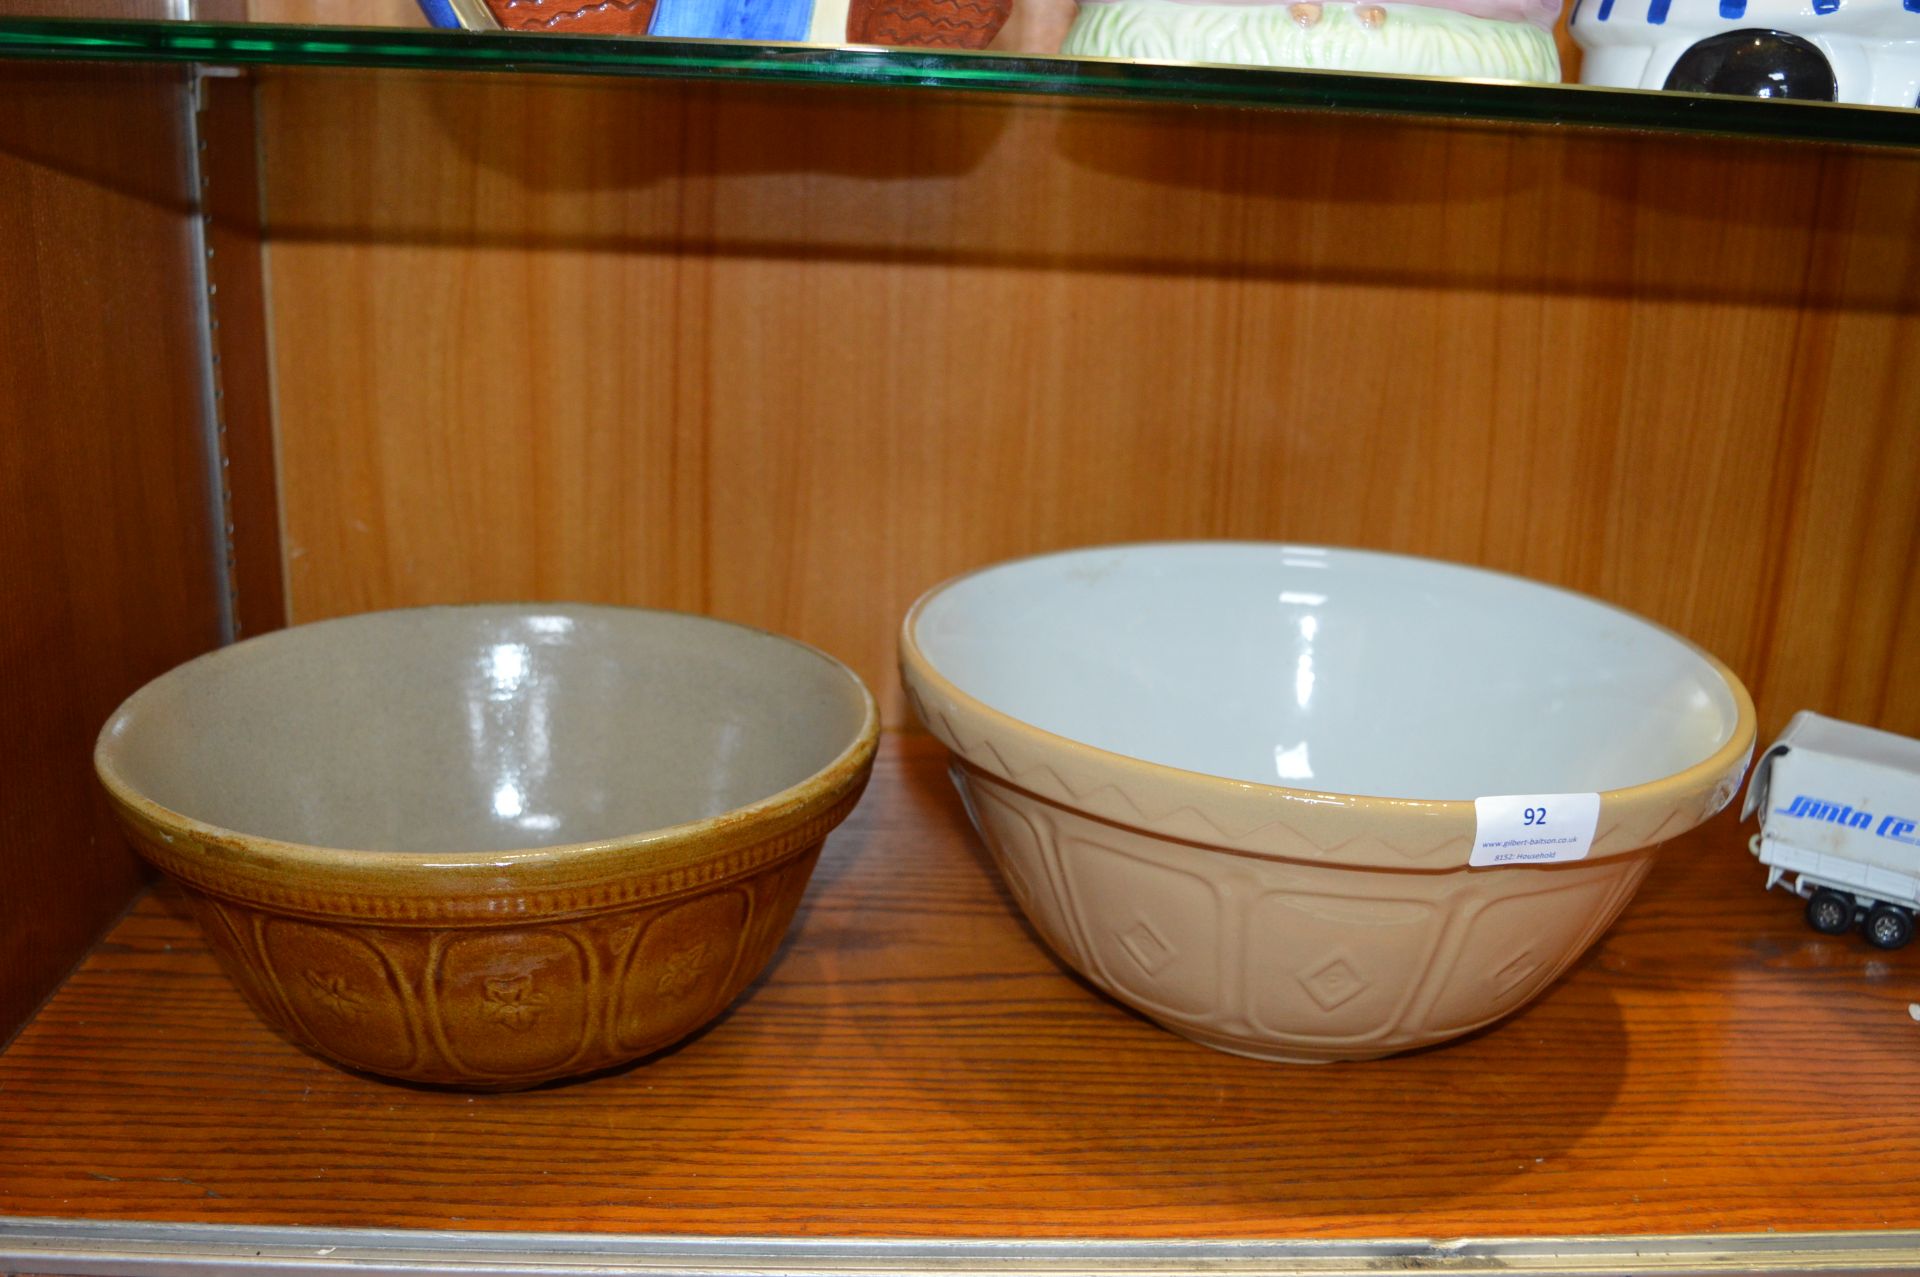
(915, 1064)
(105, 518)
(793, 356)
(1847, 629)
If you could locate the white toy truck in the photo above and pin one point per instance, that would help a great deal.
(1839, 812)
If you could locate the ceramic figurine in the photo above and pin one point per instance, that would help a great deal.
(559, 17)
(1839, 808)
(939, 24)
(1482, 39)
(927, 24)
(1863, 51)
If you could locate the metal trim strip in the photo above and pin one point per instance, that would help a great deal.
(87, 1248)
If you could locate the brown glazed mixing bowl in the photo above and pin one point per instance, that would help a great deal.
(491, 846)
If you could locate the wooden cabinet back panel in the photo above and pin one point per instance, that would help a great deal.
(790, 356)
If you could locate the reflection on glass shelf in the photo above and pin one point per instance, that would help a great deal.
(1143, 82)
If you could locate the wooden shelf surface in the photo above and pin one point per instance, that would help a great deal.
(915, 1064)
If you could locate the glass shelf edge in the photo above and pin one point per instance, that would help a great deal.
(245, 44)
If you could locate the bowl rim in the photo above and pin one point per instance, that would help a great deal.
(359, 880)
(1696, 777)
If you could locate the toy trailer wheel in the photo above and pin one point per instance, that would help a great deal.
(1888, 926)
(1829, 912)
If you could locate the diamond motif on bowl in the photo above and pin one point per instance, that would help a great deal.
(1515, 973)
(1144, 945)
(1333, 983)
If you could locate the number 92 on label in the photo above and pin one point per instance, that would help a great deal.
(1533, 829)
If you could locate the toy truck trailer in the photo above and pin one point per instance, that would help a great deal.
(1839, 812)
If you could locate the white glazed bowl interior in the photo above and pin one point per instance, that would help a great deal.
(1334, 671)
(490, 727)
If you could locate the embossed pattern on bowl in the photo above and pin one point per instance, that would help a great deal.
(1233, 784)
(492, 846)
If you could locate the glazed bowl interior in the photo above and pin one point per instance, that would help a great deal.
(1336, 671)
(485, 728)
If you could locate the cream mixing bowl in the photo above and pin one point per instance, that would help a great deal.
(1311, 804)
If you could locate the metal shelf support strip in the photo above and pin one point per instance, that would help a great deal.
(84, 1248)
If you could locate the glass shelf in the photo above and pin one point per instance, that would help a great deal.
(1086, 78)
